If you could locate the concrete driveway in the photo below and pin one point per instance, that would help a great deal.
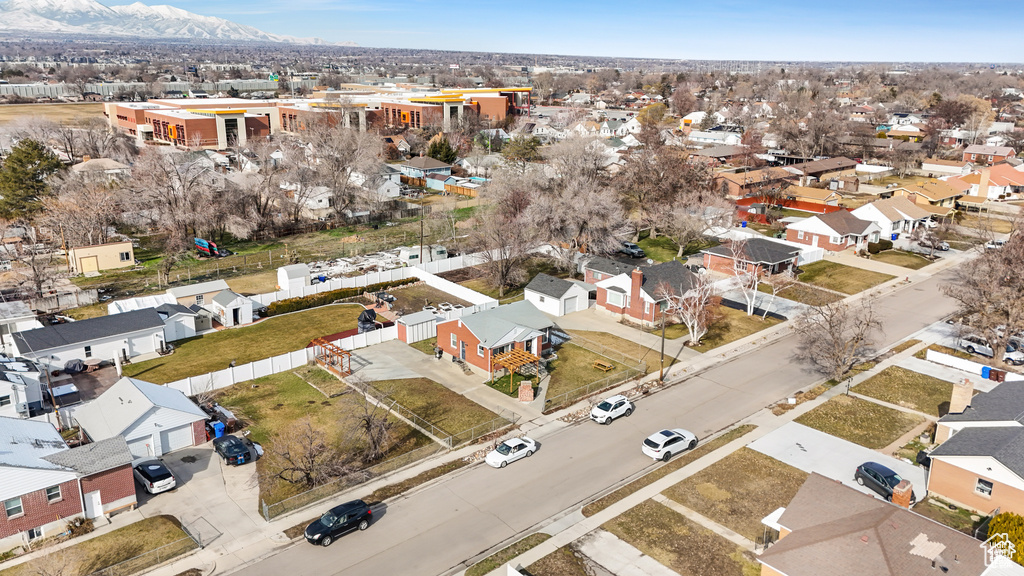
(811, 450)
(226, 497)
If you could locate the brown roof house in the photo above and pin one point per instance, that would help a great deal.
(834, 231)
(754, 255)
(893, 215)
(829, 528)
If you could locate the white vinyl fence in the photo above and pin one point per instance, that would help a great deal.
(966, 365)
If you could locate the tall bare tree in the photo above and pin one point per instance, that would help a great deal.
(82, 211)
(837, 336)
(338, 153)
(304, 455)
(696, 306)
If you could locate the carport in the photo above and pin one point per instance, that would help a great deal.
(811, 450)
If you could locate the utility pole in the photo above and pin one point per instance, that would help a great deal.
(421, 234)
(661, 374)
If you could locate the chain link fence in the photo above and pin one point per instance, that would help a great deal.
(152, 558)
(567, 398)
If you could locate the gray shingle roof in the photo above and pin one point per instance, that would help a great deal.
(174, 309)
(1004, 403)
(845, 223)
(498, 325)
(23, 443)
(672, 274)
(1004, 443)
(90, 459)
(71, 333)
(759, 251)
(226, 297)
(549, 285)
(609, 266)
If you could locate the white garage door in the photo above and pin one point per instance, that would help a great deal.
(570, 304)
(176, 438)
(140, 448)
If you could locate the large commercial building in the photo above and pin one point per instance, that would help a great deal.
(218, 123)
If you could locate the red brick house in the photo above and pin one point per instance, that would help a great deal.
(43, 483)
(476, 338)
(835, 231)
(635, 293)
(754, 255)
(987, 154)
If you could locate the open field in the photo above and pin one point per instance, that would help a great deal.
(739, 490)
(269, 337)
(64, 113)
(841, 278)
(860, 421)
(258, 283)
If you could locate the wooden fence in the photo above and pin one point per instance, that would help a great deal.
(461, 190)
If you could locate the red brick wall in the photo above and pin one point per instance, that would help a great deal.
(823, 240)
(602, 301)
(257, 126)
(593, 276)
(38, 512)
(198, 432)
(113, 484)
(815, 207)
(462, 334)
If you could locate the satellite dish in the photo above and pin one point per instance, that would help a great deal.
(649, 261)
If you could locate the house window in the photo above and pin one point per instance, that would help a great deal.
(895, 226)
(5, 400)
(541, 299)
(13, 508)
(647, 307)
(455, 341)
(126, 256)
(984, 487)
(88, 351)
(199, 300)
(616, 298)
(36, 532)
(480, 350)
(799, 234)
(53, 494)
(544, 338)
(837, 240)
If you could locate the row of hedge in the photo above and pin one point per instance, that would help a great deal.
(324, 298)
(880, 246)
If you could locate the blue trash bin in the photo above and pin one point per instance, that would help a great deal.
(218, 429)
(743, 224)
(895, 237)
(986, 372)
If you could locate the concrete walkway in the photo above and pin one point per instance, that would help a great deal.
(595, 321)
(706, 522)
(620, 558)
(941, 372)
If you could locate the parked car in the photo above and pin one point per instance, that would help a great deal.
(222, 252)
(929, 223)
(510, 451)
(233, 450)
(978, 345)
(610, 409)
(880, 479)
(994, 244)
(337, 521)
(663, 445)
(154, 476)
(927, 243)
(632, 250)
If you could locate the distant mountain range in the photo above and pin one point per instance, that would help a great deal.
(138, 19)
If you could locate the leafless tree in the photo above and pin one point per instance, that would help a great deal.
(174, 191)
(260, 185)
(68, 561)
(375, 427)
(748, 274)
(778, 283)
(82, 211)
(696, 307)
(304, 455)
(39, 272)
(835, 337)
(338, 153)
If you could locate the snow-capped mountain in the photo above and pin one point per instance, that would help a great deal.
(138, 19)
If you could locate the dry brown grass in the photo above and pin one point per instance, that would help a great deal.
(860, 421)
(259, 283)
(909, 389)
(64, 113)
(739, 490)
(562, 562)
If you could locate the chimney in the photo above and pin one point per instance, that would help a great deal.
(983, 184)
(902, 493)
(86, 158)
(963, 391)
(635, 304)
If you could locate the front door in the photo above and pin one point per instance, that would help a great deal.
(93, 504)
(529, 345)
(236, 316)
(462, 349)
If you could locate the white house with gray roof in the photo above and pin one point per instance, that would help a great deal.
(558, 297)
(231, 308)
(127, 336)
(153, 419)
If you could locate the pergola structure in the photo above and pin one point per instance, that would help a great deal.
(334, 358)
(512, 361)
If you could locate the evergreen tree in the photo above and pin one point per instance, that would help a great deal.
(441, 149)
(23, 179)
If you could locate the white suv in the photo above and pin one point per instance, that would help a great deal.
(610, 409)
(978, 345)
(662, 445)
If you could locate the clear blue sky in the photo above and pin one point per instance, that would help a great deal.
(894, 30)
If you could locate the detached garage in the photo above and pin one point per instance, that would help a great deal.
(153, 419)
(556, 296)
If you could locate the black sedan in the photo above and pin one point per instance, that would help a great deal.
(880, 479)
(233, 450)
(354, 515)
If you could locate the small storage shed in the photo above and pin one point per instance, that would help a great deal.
(417, 326)
(231, 308)
(179, 321)
(556, 296)
(293, 277)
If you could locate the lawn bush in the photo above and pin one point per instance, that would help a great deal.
(324, 298)
(873, 248)
(884, 244)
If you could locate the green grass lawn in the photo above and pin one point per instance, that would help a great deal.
(272, 404)
(425, 346)
(860, 421)
(504, 384)
(112, 548)
(739, 490)
(910, 389)
(575, 368)
(731, 325)
(321, 379)
(679, 543)
(265, 339)
(448, 410)
(496, 560)
(611, 344)
(660, 249)
(901, 258)
(841, 278)
(804, 293)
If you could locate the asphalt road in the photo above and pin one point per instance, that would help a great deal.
(433, 530)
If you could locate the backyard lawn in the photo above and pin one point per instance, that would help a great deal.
(613, 345)
(901, 258)
(264, 339)
(271, 405)
(112, 548)
(739, 490)
(910, 389)
(841, 278)
(258, 283)
(860, 421)
(731, 325)
(804, 293)
(448, 410)
(660, 249)
(679, 543)
(575, 368)
(474, 279)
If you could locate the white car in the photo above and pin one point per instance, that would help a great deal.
(510, 451)
(610, 409)
(994, 244)
(154, 476)
(663, 445)
(978, 345)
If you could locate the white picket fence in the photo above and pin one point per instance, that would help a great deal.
(966, 365)
(275, 364)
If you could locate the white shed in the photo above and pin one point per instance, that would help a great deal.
(293, 277)
(179, 321)
(556, 296)
(410, 255)
(231, 308)
(153, 419)
(417, 326)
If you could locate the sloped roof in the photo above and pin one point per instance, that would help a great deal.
(723, 151)
(934, 190)
(758, 251)
(822, 194)
(510, 322)
(89, 459)
(608, 266)
(1004, 403)
(72, 333)
(97, 164)
(988, 150)
(174, 310)
(25, 443)
(1004, 443)
(672, 274)
(825, 165)
(899, 208)
(425, 163)
(295, 270)
(838, 530)
(226, 297)
(845, 223)
(126, 402)
(200, 288)
(549, 285)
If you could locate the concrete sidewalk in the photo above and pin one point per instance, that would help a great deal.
(941, 372)
(593, 321)
(620, 558)
(849, 258)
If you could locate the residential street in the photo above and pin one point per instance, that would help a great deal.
(433, 530)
